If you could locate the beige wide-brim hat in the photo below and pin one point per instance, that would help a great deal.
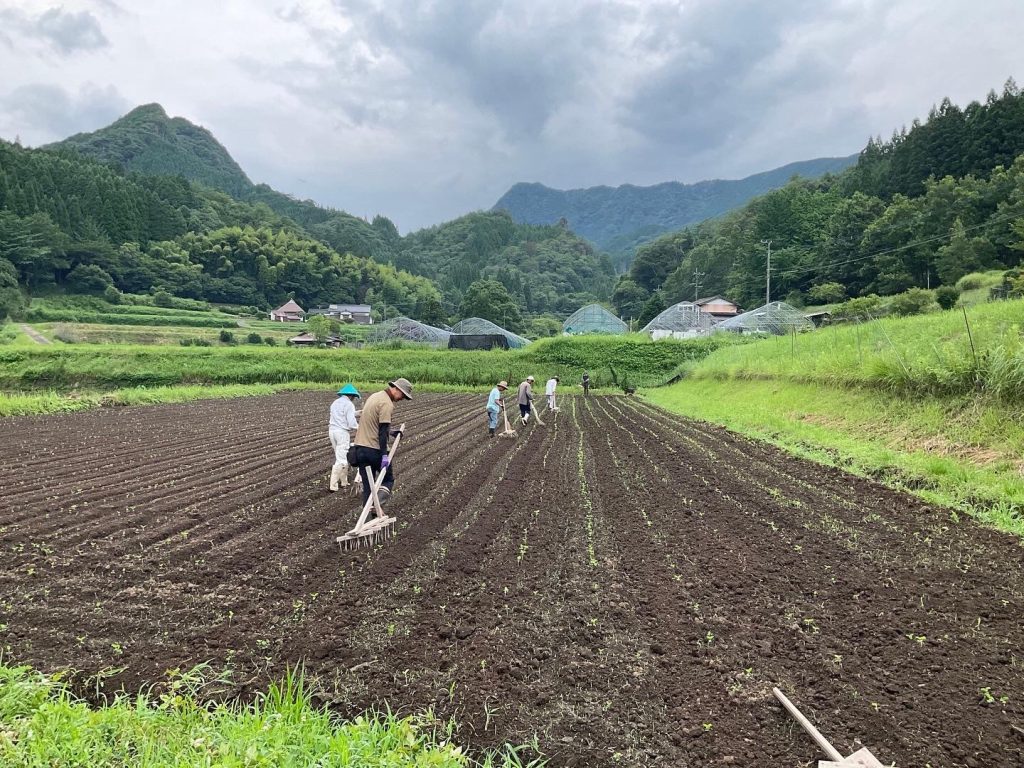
(503, 384)
(404, 386)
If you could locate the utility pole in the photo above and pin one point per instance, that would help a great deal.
(768, 274)
(696, 284)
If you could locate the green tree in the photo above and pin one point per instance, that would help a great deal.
(826, 293)
(89, 278)
(912, 302)
(654, 307)
(319, 326)
(628, 298)
(12, 302)
(490, 300)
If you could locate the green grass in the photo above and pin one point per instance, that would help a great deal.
(966, 453)
(108, 367)
(930, 355)
(41, 724)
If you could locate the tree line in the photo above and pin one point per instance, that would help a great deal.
(939, 201)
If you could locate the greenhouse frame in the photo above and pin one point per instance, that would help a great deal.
(476, 326)
(593, 318)
(407, 329)
(776, 318)
(680, 321)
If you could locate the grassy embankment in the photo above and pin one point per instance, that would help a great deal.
(919, 402)
(45, 379)
(41, 724)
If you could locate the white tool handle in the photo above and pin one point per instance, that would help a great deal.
(373, 501)
(814, 733)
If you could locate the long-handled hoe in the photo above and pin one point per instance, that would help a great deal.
(380, 528)
(509, 432)
(862, 758)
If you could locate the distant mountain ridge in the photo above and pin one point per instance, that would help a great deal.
(617, 219)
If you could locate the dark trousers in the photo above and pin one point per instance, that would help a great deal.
(368, 462)
(524, 410)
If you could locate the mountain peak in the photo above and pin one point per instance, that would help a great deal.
(148, 141)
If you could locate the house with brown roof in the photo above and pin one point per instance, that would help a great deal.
(718, 307)
(346, 313)
(289, 312)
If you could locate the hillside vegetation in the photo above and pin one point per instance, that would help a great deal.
(564, 270)
(617, 219)
(923, 209)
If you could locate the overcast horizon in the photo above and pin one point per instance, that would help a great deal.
(426, 111)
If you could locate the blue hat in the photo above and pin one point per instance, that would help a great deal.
(348, 389)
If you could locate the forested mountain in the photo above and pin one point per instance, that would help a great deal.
(69, 221)
(157, 150)
(937, 201)
(545, 269)
(617, 219)
(146, 140)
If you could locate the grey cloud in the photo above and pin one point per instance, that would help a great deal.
(41, 113)
(65, 31)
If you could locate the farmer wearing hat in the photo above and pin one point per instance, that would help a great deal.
(371, 443)
(494, 406)
(525, 398)
(339, 429)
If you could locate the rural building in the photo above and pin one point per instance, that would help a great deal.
(819, 318)
(310, 340)
(289, 312)
(718, 307)
(346, 313)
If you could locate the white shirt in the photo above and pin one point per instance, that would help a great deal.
(343, 414)
(550, 389)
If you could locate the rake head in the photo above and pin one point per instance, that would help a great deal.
(507, 433)
(376, 531)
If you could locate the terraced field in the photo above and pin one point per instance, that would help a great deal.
(621, 585)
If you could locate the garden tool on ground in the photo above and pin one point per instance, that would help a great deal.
(862, 758)
(380, 528)
(509, 432)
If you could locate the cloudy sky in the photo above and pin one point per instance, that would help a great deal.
(426, 110)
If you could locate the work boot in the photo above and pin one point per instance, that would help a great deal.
(384, 495)
(490, 431)
(334, 480)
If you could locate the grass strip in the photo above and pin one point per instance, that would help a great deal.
(963, 453)
(42, 724)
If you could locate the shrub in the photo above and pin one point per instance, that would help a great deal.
(946, 296)
(270, 341)
(861, 308)
(163, 299)
(972, 281)
(227, 337)
(915, 301)
(254, 338)
(195, 342)
(111, 295)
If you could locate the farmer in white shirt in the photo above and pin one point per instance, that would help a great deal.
(549, 390)
(340, 428)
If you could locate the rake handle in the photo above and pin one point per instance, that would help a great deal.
(373, 501)
(813, 732)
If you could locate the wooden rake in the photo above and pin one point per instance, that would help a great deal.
(509, 432)
(381, 528)
(862, 758)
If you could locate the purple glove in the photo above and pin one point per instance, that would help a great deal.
(385, 461)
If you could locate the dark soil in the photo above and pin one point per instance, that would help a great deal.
(622, 585)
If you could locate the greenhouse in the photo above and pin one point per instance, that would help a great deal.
(593, 318)
(407, 329)
(477, 326)
(778, 318)
(680, 321)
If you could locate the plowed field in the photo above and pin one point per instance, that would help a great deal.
(621, 584)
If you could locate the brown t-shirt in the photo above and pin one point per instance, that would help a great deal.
(378, 410)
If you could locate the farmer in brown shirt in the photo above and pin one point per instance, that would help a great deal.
(371, 442)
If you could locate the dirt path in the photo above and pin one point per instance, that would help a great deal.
(33, 334)
(621, 584)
